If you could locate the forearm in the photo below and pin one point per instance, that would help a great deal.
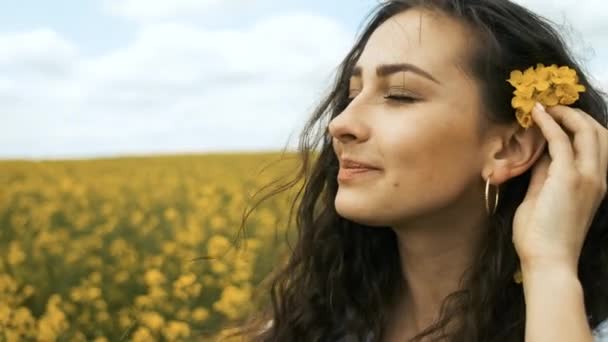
(555, 307)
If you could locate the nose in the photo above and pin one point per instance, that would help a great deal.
(347, 127)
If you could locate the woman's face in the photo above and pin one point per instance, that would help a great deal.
(414, 115)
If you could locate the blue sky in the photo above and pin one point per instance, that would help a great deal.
(94, 78)
(89, 24)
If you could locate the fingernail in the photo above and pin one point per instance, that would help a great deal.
(538, 106)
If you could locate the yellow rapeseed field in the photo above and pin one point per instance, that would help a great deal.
(103, 250)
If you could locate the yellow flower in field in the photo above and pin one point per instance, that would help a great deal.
(232, 301)
(152, 320)
(53, 323)
(217, 245)
(218, 267)
(157, 292)
(78, 336)
(241, 275)
(5, 314)
(154, 261)
(169, 247)
(193, 234)
(125, 318)
(143, 334)
(548, 85)
(95, 232)
(93, 293)
(186, 280)
(84, 317)
(121, 276)
(94, 262)
(217, 222)
(154, 277)
(253, 244)
(15, 253)
(84, 294)
(23, 319)
(208, 280)
(12, 336)
(266, 217)
(176, 330)
(183, 314)
(95, 277)
(208, 190)
(200, 314)
(186, 287)
(224, 333)
(171, 214)
(119, 247)
(137, 218)
(102, 316)
(28, 290)
(144, 301)
(7, 284)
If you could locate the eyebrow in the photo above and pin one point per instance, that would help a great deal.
(384, 70)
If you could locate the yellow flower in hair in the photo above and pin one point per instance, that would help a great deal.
(549, 85)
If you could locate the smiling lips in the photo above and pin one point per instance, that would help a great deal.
(350, 169)
(354, 164)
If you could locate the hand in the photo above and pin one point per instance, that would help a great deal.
(566, 188)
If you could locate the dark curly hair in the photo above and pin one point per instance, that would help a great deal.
(341, 276)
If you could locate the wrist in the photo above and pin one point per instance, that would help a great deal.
(558, 265)
(545, 271)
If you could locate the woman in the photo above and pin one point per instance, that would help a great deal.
(400, 238)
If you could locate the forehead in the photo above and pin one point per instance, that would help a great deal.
(429, 40)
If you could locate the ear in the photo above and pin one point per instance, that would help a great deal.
(511, 150)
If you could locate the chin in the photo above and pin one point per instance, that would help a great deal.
(361, 213)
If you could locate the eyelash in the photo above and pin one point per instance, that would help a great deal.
(400, 98)
(397, 98)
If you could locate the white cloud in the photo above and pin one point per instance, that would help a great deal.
(176, 87)
(36, 52)
(146, 10)
(583, 22)
(585, 15)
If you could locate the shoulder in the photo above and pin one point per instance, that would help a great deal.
(600, 333)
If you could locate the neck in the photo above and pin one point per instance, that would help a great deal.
(435, 252)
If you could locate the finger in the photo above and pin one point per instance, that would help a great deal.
(539, 174)
(560, 147)
(585, 138)
(602, 137)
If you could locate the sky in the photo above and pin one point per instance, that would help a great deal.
(97, 78)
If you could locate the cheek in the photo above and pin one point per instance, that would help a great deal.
(430, 164)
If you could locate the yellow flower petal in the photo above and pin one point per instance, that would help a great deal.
(524, 119)
(524, 92)
(524, 104)
(529, 76)
(516, 78)
(542, 85)
(548, 98)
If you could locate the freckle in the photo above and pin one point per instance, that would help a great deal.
(396, 185)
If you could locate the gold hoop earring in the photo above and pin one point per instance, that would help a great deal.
(495, 197)
(517, 276)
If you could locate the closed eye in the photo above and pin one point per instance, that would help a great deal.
(401, 98)
(391, 97)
